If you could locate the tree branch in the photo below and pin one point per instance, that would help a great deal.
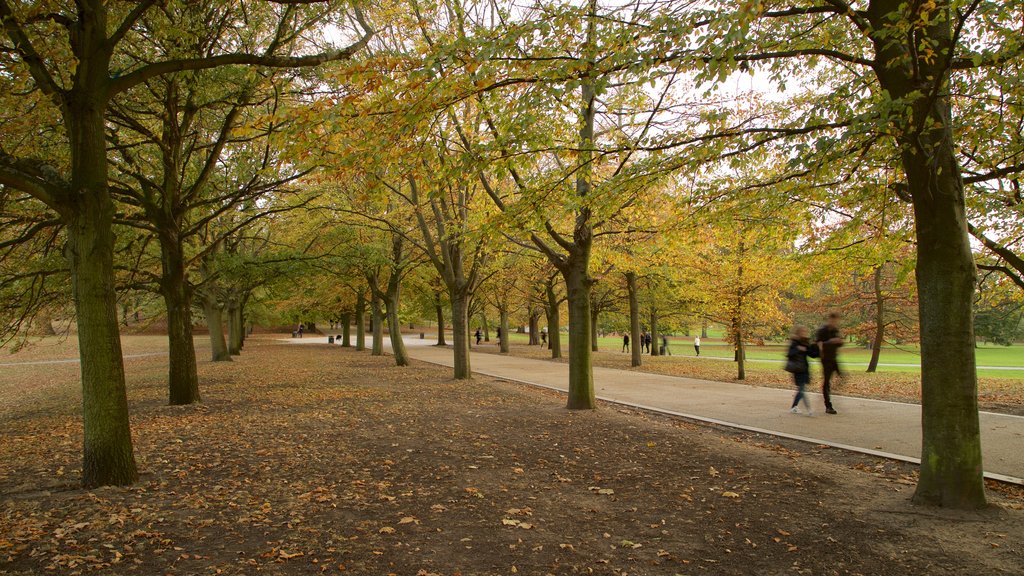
(159, 68)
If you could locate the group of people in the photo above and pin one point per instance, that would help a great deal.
(644, 342)
(826, 344)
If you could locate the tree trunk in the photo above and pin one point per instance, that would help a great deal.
(360, 322)
(593, 327)
(704, 328)
(654, 332)
(503, 323)
(235, 327)
(376, 323)
(534, 323)
(554, 322)
(951, 467)
(394, 324)
(215, 323)
(107, 456)
(487, 327)
(346, 329)
(634, 318)
(581, 373)
(460, 335)
(440, 324)
(876, 341)
(182, 376)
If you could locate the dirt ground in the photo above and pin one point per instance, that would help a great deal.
(315, 459)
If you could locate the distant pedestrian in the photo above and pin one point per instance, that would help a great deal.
(625, 342)
(499, 335)
(544, 335)
(478, 336)
(302, 328)
(828, 339)
(664, 346)
(696, 345)
(648, 342)
(800, 348)
(642, 341)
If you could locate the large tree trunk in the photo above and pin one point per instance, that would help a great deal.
(487, 326)
(503, 323)
(376, 323)
(654, 331)
(581, 373)
(235, 327)
(440, 324)
(107, 456)
(634, 318)
(360, 322)
(215, 323)
(876, 341)
(182, 377)
(346, 329)
(394, 324)
(534, 323)
(951, 467)
(555, 321)
(460, 335)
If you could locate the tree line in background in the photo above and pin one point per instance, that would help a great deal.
(655, 164)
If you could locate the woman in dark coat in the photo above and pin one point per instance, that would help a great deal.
(800, 347)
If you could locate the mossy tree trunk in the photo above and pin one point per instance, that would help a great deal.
(951, 465)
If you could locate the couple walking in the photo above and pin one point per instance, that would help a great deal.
(827, 341)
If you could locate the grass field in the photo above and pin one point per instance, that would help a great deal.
(855, 358)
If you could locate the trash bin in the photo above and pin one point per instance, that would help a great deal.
(661, 350)
(422, 336)
(330, 339)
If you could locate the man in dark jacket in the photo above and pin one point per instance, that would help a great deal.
(829, 340)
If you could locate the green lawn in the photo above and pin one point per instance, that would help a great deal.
(855, 357)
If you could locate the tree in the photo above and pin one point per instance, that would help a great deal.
(79, 91)
(888, 67)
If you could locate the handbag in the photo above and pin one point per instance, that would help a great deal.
(794, 366)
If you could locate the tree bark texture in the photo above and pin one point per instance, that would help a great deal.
(377, 324)
(951, 465)
(107, 457)
(654, 332)
(215, 323)
(460, 336)
(360, 322)
(634, 319)
(394, 324)
(876, 341)
(441, 341)
(503, 323)
(346, 329)
(182, 376)
(554, 321)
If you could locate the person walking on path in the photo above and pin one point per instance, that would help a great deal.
(544, 336)
(302, 328)
(478, 336)
(499, 335)
(625, 342)
(696, 345)
(664, 346)
(647, 342)
(800, 348)
(829, 340)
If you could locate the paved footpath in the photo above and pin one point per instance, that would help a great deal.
(889, 429)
